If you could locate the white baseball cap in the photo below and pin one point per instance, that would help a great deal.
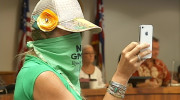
(68, 13)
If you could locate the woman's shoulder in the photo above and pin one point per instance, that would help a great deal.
(27, 76)
(33, 67)
(53, 84)
(34, 64)
(97, 69)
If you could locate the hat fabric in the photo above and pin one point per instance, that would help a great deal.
(69, 13)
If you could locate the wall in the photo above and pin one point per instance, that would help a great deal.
(8, 33)
(122, 18)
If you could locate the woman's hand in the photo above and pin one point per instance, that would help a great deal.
(129, 62)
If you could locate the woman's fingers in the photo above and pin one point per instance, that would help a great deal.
(131, 46)
(141, 55)
(134, 55)
(129, 61)
(131, 51)
(137, 49)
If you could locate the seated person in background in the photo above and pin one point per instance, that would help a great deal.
(178, 74)
(89, 70)
(155, 68)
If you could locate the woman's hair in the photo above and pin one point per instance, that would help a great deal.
(87, 46)
(155, 39)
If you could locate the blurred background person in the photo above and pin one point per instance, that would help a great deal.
(155, 68)
(89, 70)
(178, 74)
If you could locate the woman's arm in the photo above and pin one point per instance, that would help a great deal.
(128, 64)
(49, 87)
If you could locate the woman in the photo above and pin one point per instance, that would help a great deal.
(89, 71)
(52, 66)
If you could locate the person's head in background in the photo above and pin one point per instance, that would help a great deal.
(155, 48)
(88, 54)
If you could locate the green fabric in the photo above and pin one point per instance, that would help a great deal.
(34, 25)
(63, 53)
(31, 69)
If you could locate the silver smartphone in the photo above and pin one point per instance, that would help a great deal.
(146, 34)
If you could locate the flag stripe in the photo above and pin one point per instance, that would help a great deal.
(97, 40)
(25, 31)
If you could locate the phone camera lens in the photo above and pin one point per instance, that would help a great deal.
(142, 27)
(146, 33)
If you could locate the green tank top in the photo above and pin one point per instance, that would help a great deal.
(26, 78)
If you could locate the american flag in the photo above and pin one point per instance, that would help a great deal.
(25, 31)
(97, 40)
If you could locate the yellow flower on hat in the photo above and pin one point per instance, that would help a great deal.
(47, 20)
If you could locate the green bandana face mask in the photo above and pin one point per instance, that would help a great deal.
(63, 54)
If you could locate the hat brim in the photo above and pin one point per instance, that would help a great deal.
(79, 25)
